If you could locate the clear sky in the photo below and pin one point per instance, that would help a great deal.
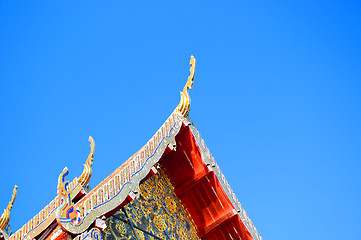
(276, 97)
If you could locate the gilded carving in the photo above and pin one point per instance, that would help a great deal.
(5, 217)
(95, 234)
(185, 102)
(157, 210)
(145, 191)
(171, 204)
(92, 234)
(66, 205)
(159, 223)
(84, 178)
(120, 227)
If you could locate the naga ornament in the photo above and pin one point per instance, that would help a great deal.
(66, 206)
(185, 102)
(66, 211)
(5, 217)
(87, 172)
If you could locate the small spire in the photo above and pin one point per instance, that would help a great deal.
(5, 217)
(87, 172)
(185, 102)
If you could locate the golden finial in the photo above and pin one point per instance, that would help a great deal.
(5, 217)
(66, 205)
(87, 172)
(185, 102)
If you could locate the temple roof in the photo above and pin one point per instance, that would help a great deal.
(190, 165)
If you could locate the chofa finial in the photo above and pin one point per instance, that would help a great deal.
(5, 217)
(185, 102)
(87, 172)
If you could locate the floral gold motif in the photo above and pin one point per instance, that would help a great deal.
(171, 204)
(159, 223)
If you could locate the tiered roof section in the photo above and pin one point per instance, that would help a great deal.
(197, 179)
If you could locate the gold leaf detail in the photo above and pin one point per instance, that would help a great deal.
(159, 223)
(66, 205)
(5, 217)
(185, 102)
(87, 172)
(171, 204)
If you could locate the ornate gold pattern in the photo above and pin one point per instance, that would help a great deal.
(87, 172)
(92, 234)
(157, 210)
(5, 217)
(171, 204)
(185, 102)
(95, 234)
(159, 223)
(66, 205)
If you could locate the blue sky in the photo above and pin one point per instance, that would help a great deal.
(276, 97)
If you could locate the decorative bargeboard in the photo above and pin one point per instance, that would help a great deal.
(110, 193)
